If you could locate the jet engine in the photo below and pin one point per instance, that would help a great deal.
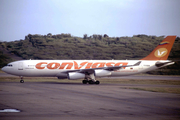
(75, 75)
(102, 73)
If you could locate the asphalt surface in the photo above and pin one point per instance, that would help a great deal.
(75, 101)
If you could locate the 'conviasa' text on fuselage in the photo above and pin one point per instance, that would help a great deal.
(69, 65)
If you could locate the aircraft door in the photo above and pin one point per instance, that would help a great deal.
(20, 66)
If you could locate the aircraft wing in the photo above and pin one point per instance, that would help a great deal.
(91, 70)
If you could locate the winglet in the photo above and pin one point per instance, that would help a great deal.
(161, 52)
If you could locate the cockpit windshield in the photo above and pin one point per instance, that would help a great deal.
(9, 65)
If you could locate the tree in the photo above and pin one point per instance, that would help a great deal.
(85, 36)
(94, 36)
(49, 34)
(99, 37)
(30, 37)
(105, 35)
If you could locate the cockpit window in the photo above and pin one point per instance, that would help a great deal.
(9, 65)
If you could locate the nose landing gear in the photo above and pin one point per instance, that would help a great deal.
(21, 81)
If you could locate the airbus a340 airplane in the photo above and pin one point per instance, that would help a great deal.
(89, 70)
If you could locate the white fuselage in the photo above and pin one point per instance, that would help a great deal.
(59, 68)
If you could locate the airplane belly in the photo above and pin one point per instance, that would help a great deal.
(40, 73)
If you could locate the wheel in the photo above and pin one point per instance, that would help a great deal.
(97, 82)
(91, 82)
(21, 81)
(84, 81)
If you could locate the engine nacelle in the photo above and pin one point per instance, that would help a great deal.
(75, 75)
(102, 73)
(61, 75)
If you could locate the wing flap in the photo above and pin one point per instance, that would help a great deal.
(118, 67)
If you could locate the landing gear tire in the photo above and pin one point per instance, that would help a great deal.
(91, 82)
(84, 81)
(97, 82)
(21, 81)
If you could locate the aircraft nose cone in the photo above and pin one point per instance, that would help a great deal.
(3, 69)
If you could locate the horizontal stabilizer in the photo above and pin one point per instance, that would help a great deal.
(162, 64)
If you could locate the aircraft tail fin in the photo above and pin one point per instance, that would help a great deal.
(161, 52)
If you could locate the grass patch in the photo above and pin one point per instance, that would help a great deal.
(148, 82)
(175, 90)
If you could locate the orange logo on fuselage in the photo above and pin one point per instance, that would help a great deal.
(70, 65)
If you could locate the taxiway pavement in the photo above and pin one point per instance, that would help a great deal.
(71, 101)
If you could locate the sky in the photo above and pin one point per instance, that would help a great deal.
(116, 18)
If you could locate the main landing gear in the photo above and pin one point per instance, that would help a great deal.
(90, 82)
(21, 81)
(92, 79)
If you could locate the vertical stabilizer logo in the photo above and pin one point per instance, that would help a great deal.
(164, 43)
(161, 52)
